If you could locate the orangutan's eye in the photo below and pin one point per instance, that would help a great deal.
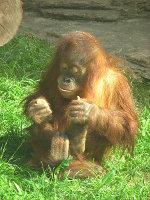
(64, 67)
(75, 70)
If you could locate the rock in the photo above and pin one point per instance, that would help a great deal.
(140, 63)
(72, 14)
(76, 4)
(141, 58)
(126, 8)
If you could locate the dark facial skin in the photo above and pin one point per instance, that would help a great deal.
(70, 79)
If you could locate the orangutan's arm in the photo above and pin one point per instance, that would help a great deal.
(118, 122)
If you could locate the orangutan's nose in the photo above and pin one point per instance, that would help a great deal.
(67, 80)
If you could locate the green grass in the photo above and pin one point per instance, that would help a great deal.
(21, 64)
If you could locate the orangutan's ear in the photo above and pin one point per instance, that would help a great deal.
(10, 18)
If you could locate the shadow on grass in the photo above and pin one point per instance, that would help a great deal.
(141, 91)
(15, 150)
(14, 147)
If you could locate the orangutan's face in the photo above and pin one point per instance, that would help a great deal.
(71, 79)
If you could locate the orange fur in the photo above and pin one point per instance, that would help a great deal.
(105, 86)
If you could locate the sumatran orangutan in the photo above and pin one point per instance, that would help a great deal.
(82, 107)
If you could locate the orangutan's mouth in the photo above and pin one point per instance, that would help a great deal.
(65, 90)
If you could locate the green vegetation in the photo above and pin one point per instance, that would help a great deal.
(21, 64)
